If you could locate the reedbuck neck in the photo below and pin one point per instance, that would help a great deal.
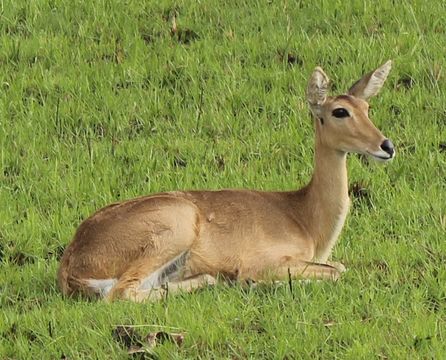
(342, 125)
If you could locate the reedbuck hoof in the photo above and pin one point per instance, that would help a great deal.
(209, 280)
(143, 295)
(335, 275)
(338, 266)
(197, 282)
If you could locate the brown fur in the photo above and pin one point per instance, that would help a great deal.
(240, 234)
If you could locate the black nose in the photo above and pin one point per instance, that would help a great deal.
(387, 146)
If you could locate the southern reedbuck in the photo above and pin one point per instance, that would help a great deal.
(130, 250)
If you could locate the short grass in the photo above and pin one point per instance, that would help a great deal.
(100, 102)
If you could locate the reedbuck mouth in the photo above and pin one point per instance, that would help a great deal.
(386, 153)
(186, 239)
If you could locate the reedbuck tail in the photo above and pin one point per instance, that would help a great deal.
(64, 274)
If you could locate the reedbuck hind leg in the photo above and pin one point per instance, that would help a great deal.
(170, 288)
(166, 259)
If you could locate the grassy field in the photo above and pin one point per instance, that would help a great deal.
(101, 101)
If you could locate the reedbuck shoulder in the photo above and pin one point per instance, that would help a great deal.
(130, 250)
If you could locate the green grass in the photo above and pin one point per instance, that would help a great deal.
(98, 103)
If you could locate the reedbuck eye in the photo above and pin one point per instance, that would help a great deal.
(340, 113)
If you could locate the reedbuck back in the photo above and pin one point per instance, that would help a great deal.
(131, 249)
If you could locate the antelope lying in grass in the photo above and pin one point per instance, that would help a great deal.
(130, 250)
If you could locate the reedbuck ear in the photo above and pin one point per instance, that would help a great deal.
(317, 90)
(371, 83)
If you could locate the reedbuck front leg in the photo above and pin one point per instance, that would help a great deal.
(282, 262)
(301, 270)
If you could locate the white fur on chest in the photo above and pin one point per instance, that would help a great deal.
(324, 252)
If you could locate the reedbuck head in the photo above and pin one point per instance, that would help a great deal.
(343, 122)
